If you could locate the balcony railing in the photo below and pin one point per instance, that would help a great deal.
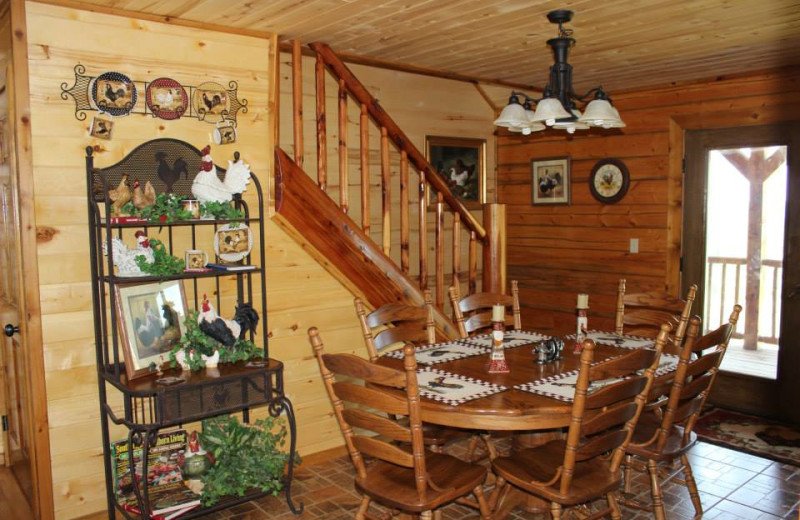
(726, 280)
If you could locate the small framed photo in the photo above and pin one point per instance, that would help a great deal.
(101, 128)
(550, 181)
(150, 320)
(461, 162)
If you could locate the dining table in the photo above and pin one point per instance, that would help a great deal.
(458, 390)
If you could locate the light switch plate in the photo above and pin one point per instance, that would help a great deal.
(634, 245)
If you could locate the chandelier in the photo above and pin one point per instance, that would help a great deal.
(558, 106)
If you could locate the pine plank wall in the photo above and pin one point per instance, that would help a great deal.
(556, 252)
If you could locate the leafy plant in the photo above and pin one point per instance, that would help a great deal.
(164, 264)
(220, 211)
(166, 208)
(245, 457)
(195, 344)
(242, 350)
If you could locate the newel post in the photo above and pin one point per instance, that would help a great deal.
(494, 252)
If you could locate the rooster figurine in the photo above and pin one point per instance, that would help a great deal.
(144, 199)
(125, 258)
(226, 331)
(208, 188)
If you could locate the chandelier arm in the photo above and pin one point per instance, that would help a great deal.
(584, 97)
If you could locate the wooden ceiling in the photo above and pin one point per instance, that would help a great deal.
(621, 44)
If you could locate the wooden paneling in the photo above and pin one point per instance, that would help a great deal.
(657, 43)
(557, 252)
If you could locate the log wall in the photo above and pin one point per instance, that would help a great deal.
(558, 251)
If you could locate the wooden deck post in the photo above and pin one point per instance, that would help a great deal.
(494, 255)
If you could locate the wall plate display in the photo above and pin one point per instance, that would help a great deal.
(233, 242)
(166, 98)
(210, 102)
(609, 180)
(113, 93)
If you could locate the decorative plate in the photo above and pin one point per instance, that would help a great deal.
(233, 242)
(166, 98)
(211, 102)
(609, 180)
(113, 93)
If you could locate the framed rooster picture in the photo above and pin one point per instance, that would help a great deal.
(150, 317)
(550, 181)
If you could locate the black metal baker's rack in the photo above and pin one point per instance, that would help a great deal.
(148, 406)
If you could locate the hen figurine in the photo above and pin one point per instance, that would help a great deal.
(125, 258)
(208, 188)
(120, 196)
(144, 199)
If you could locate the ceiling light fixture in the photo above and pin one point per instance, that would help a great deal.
(558, 106)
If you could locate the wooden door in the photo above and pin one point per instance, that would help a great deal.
(769, 146)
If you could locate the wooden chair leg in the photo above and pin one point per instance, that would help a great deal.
(437, 515)
(483, 505)
(611, 498)
(655, 489)
(473, 445)
(555, 511)
(692, 486)
(495, 496)
(361, 514)
(627, 474)
(425, 515)
(487, 439)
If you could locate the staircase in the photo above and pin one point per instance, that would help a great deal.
(381, 263)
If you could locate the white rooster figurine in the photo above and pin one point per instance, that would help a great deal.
(208, 188)
(125, 259)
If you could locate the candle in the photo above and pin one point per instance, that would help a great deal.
(498, 313)
(583, 301)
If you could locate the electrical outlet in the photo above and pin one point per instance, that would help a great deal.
(634, 245)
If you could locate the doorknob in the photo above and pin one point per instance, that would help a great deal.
(10, 329)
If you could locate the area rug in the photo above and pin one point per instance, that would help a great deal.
(769, 439)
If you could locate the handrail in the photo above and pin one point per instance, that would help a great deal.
(356, 89)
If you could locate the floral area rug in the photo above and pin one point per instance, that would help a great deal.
(769, 439)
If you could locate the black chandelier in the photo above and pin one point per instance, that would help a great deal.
(558, 106)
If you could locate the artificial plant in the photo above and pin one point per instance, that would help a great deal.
(195, 344)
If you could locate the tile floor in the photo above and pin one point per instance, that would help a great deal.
(733, 486)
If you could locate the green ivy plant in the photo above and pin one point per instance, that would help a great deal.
(246, 457)
(166, 208)
(220, 211)
(164, 264)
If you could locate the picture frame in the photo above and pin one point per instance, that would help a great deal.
(550, 181)
(150, 318)
(101, 128)
(461, 163)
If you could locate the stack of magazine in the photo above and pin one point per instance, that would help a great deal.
(167, 491)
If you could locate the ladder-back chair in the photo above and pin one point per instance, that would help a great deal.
(412, 480)
(473, 313)
(668, 436)
(586, 465)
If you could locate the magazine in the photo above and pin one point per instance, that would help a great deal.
(166, 489)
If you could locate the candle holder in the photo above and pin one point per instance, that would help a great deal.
(497, 358)
(582, 325)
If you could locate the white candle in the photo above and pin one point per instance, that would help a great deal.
(583, 301)
(498, 313)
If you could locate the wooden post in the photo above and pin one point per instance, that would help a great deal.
(472, 283)
(297, 101)
(456, 249)
(404, 223)
(494, 255)
(423, 231)
(365, 213)
(386, 179)
(322, 146)
(344, 181)
(439, 250)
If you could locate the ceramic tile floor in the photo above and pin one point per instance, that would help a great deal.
(733, 486)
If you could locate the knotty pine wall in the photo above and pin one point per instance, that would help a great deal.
(558, 251)
(301, 294)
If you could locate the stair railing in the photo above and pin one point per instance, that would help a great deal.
(392, 138)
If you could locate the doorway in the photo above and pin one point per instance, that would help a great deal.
(740, 245)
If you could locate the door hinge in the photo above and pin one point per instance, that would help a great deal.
(5, 423)
(683, 165)
(680, 265)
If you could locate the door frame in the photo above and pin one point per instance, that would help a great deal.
(737, 391)
(21, 159)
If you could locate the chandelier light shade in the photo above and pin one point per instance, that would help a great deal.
(558, 106)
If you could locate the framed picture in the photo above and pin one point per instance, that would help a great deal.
(150, 318)
(101, 128)
(550, 181)
(461, 162)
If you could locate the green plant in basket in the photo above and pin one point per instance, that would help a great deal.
(246, 457)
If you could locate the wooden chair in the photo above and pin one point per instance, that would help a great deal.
(398, 324)
(473, 313)
(643, 313)
(411, 480)
(586, 465)
(667, 437)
